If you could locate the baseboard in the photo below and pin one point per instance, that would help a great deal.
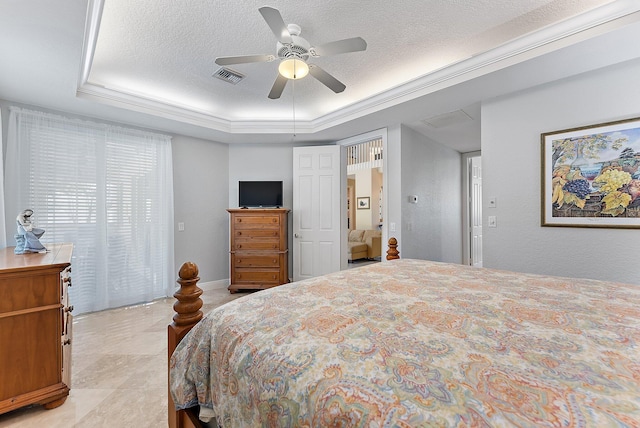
(214, 285)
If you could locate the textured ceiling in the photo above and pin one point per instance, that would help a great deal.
(167, 52)
(151, 63)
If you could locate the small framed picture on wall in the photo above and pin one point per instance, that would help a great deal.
(364, 203)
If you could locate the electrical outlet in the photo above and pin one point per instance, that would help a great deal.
(181, 227)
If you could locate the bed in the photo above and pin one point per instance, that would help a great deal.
(412, 343)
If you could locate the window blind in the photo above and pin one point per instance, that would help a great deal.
(106, 189)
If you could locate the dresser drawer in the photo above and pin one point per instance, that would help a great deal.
(256, 222)
(260, 239)
(255, 245)
(256, 276)
(256, 234)
(19, 291)
(256, 261)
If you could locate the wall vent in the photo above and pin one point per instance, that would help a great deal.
(228, 75)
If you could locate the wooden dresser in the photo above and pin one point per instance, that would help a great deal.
(259, 253)
(35, 328)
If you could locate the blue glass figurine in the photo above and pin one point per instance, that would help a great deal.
(28, 237)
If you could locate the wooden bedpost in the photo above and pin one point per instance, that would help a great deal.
(392, 252)
(187, 315)
(188, 306)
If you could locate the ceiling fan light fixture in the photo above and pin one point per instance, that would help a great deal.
(293, 68)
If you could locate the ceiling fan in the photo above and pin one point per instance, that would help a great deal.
(293, 52)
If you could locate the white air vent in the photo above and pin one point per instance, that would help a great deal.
(228, 75)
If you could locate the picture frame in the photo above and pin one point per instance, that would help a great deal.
(363, 203)
(591, 176)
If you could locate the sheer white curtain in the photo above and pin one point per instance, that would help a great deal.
(106, 189)
(3, 231)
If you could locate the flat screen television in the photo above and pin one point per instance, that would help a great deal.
(260, 193)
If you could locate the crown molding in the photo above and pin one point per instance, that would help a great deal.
(599, 21)
(170, 111)
(516, 51)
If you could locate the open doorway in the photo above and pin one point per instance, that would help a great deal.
(472, 241)
(365, 201)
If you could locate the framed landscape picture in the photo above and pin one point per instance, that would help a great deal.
(591, 176)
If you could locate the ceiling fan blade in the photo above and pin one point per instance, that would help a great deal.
(278, 87)
(276, 23)
(354, 44)
(243, 59)
(326, 79)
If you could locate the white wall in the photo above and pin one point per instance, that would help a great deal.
(368, 183)
(258, 162)
(200, 187)
(432, 228)
(363, 190)
(511, 152)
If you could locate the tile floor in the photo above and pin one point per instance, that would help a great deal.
(119, 369)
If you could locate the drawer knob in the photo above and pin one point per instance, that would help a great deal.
(275, 261)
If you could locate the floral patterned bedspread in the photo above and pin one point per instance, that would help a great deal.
(412, 343)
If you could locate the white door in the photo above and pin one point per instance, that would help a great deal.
(475, 214)
(317, 211)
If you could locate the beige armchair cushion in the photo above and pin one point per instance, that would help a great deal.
(356, 235)
(364, 244)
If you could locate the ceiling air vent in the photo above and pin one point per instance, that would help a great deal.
(228, 75)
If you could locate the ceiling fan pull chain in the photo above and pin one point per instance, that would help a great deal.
(293, 97)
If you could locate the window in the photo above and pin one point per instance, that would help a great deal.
(106, 189)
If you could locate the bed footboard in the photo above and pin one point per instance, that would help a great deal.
(187, 315)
